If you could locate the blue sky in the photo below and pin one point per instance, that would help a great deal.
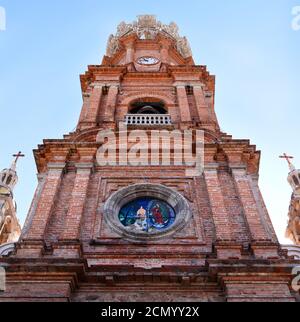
(249, 45)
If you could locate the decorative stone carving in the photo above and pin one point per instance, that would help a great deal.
(293, 251)
(183, 47)
(112, 45)
(6, 249)
(172, 29)
(293, 229)
(147, 27)
(10, 229)
(123, 29)
(147, 22)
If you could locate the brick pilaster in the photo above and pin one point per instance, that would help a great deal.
(129, 53)
(41, 183)
(225, 246)
(220, 216)
(202, 107)
(255, 223)
(85, 107)
(111, 103)
(164, 53)
(94, 104)
(74, 215)
(183, 104)
(46, 202)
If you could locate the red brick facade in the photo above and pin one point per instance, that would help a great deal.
(228, 251)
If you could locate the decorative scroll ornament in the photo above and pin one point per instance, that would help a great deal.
(147, 27)
(112, 45)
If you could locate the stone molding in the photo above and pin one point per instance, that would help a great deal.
(53, 167)
(293, 250)
(6, 249)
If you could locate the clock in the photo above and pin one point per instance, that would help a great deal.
(148, 60)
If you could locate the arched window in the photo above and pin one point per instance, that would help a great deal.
(148, 112)
(148, 108)
(189, 90)
(296, 181)
(9, 179)
(105, 90)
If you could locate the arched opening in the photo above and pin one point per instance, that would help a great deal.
(146, 107)
(9, 179)
(147, 112)
(189, 90)
(296, 181)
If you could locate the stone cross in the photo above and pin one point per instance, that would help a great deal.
(17, 156)
(287, 157)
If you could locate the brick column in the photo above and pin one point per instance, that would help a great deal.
(74, 215)
(129, 53)
(243, 186)
(111, 103)
(94, 104)
(85, 107)
(220, 216)
(202, 107)
(164, 53)
(41, 183)
(46, 202)
(262, 208)
(183, 104)
(226, 247)
(128, 42)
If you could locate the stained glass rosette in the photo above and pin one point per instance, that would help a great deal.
(147, 215)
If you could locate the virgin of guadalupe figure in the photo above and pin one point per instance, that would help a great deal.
(157, 215)
(141, 222)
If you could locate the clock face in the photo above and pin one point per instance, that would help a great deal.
(148, 60)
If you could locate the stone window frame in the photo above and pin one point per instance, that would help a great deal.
(125, 195)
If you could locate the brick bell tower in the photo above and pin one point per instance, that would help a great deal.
(147, 233)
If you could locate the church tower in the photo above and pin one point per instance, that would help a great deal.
(10, 229)
(107, 224)
(293, 228)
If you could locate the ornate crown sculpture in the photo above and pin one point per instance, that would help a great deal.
(147, 27)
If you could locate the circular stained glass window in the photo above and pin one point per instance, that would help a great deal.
(146, 214)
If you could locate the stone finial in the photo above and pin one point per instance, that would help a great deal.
(8, 177)
(10, 229)
(112, 45)
(293, 228)
(183, 47)
(294, 174)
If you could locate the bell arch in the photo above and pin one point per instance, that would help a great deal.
(148, 97)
